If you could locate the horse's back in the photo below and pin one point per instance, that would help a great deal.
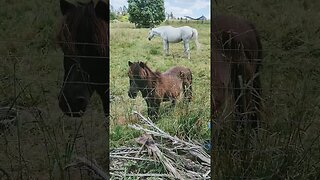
(222, 22)
(166, 28)
(181, 80)
(229, 34)
(171, 84)
(186, 31)
(176, 70)
(186, 28)
(236, 40)
(182, 74)
(242, 31)
(171, 34)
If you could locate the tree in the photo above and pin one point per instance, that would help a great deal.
(146, 13)
(124, 10)
(112, 14)
(171, 15)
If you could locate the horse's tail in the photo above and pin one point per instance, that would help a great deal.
(195, 36)
(186, 77)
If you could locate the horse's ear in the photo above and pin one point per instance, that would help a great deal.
(142, 64)
(182, 75)
(130, 63)
(102, 10)
(65, 6)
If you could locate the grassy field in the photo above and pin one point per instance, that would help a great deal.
(40, 141)
(128, 43)
(287, 145)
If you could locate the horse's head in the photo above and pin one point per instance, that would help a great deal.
(151, 34)
(76, 92)
(137, 75)
(83, 39)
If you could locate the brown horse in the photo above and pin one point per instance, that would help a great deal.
(157, 87)
(83, 37)
(237, 55)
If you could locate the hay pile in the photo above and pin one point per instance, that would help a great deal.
(179, 158)
(155, 151)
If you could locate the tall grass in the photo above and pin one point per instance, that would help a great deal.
(40, 141)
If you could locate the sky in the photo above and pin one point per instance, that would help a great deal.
(179, 8)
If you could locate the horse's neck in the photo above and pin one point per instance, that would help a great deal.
(153, 77)
(157, 32)
(150, 85)
(163, 30)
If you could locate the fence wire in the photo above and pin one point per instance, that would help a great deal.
(286, 108)
(35, 136)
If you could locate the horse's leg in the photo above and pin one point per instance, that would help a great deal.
(165, 47)
(173, 103)
(187, 91)
(186, 48)
(153, 109)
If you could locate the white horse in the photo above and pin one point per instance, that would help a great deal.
(171, 34)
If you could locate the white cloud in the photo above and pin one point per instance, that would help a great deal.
(182, 1)
(178, 11)
(193, 8)
(201, 4)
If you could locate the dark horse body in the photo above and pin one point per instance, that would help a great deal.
(157, 87)
(237, 55)
(83, 37)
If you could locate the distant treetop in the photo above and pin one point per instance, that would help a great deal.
(146, 13)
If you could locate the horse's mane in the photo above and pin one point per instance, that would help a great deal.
(81, 25)
(156, 74)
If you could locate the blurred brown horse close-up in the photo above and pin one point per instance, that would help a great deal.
(83, 37)
(157, 87)
(237, 56)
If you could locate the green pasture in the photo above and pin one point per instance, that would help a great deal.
(128, 43)
(41, 141)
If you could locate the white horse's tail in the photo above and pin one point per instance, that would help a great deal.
(195, 36)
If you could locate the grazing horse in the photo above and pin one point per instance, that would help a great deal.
(83, 38)
(171, 34)
(157, 87)
(237, 55)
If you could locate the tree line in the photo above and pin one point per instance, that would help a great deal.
(143, 13)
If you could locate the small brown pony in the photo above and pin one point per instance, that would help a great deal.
(157, 87)
(83, 38)
(237, 55)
